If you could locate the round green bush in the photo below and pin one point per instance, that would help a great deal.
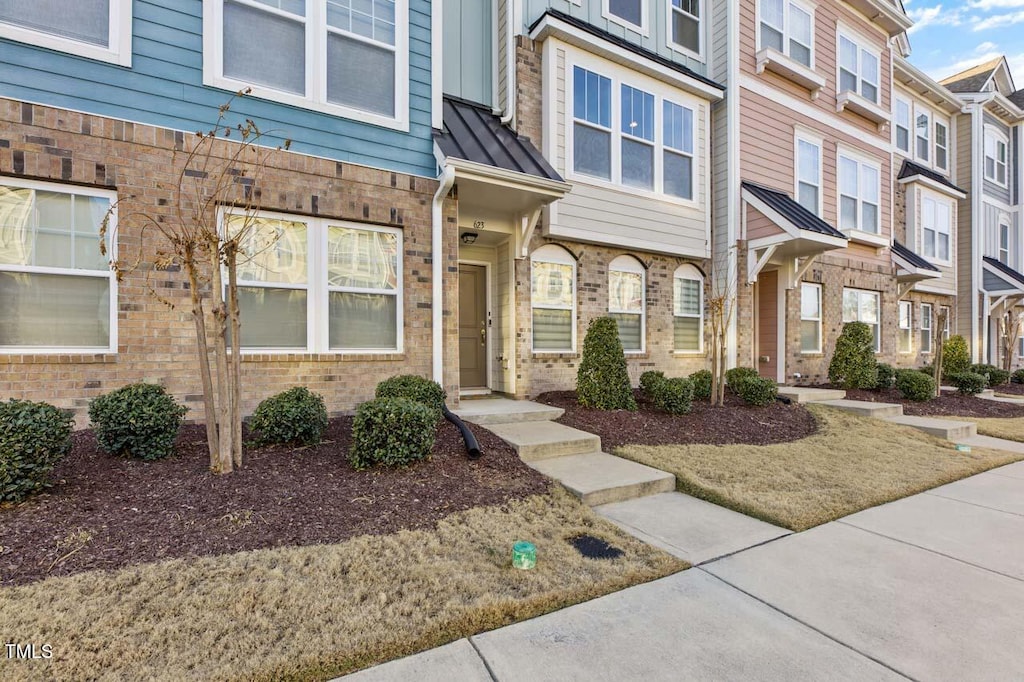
(294, 417)
(737, 375)
(674, 396)
(33, 438)
(392, 432)
(969, 383)
(758, 391)
(137, 420)
(955, 358)
(413, 387)
(914, 385)
(992, 374)
(886, 376)
(602, 380)
(649, 381)
(1018, 376)
(853, 363)
(701, 381)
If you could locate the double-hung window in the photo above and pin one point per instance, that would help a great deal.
(810, 318)
(637, 123)
(936, 227)
(941, 145)
(592, 124)
(57, 291)
(787, 27)
(995, 157)
(944, 312)
(678, 154)
(684, 24)
(1004, 242)
(808, 173)
(863, 306)
(553, 299)
(626, 291)
(688, 309)
(346, 57)
(630, 12)
(926, 327)
(859, 191)
(922, 134)
(901, 123)
(906, 326)
(363, 285)
(858, 68)
(97, 29)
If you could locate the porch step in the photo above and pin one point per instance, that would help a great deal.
(488, 411)
(599, 478)
(543, 439)
(865, 408)
(804, 394)
(943, 428)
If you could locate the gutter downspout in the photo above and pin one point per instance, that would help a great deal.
(510, 63)
(447, 179)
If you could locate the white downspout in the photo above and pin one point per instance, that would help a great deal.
(510, 62)
(447, 179)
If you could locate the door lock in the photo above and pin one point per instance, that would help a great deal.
(483, 336)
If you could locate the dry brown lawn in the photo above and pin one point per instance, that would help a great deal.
(852, 463)
(1010, 428)
(314, 612)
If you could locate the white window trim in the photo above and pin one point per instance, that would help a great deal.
(861, 159)
(805, 135)
(1004, 221)
(929, 329)
(620, 76)
(948, 327)
(318, 290)
(938, 120)
(316, 62)
(951, 206)
(900, 306)
(818, 319)
(930, 140)
(670, 36)
(909, 152)
(627, 263)
(806, 7)
(118, 50)
(998, 136)
(45, 270)
(644, 27)
(552, 253)
(878, 298)
(691, 273)
(865, 45)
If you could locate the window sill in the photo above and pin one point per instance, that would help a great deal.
(555, 355)
(30, 358)
(636, 354)
(879, 241)
(324, 357)
(769, 59)
(690, 353)
(851, 101)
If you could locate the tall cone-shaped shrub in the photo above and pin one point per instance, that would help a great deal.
(853, 363)
(602, 380)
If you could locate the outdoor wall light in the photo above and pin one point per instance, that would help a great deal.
(468, 237)
(524, 555)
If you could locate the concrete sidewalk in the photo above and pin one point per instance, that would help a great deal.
(930, 587)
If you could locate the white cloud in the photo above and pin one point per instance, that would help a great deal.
(986, 5)
(999, 21)
(962, 63)
(934, 16)
(986, 46)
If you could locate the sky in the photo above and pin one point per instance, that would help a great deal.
(949, 37)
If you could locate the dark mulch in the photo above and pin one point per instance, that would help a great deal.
(1010, 389)
(134, 512)
(950, 404)
(736, 422)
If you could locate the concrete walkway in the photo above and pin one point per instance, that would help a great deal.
(930, 587)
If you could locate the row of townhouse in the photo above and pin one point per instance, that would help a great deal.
(470, 182)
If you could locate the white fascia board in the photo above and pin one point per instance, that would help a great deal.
(932, 184)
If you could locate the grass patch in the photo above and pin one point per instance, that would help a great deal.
(852, 463)
(1008, 428)
(316, 612)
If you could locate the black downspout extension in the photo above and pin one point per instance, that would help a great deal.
(784, 400)
(472, 446)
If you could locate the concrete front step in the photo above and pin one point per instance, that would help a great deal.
(943, 428)
(544, 439)
(804, 394)
(599, 478)
(487, 411)
(865, 408)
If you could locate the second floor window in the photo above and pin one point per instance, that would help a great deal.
(922, 133)
(592, 128)
(684, 16)
(859, 191)
(808, 174)
(901, 121)
(941, 145)
(936, 226)
(97, 29)
(858, 69)
(788, 28)
(995, 157)
(637, 138)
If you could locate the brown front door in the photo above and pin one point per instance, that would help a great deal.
(768, 324)
(472, 326)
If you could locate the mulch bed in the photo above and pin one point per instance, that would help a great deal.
(736, 422)
(104, 512)
(1010, 389)
(950, 404)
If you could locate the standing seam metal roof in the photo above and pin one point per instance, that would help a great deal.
(792, 210)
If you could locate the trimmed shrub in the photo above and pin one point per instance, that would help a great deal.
(955, 358)
(33, 438)
(392, 432)
(413, 387)
(137, 420)
(758, 391)
(294, 417)
(701, 381)
(969, 383)
(649, 382)
(674, 396)
(914, 385)
(993, 375)
(1018, 376)
(853, 363)
(737, 375)
(886, 376)
(602, 380)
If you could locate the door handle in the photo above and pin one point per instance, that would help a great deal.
(483, 336)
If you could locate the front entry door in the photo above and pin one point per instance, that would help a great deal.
(472, 326)
(768, 324)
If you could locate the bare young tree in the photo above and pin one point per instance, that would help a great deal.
(1009, 335)
(721, 307)
(940, 343)
(218, 168)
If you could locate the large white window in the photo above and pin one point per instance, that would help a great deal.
(858, 68)
(684, 25)
(553, 299)
(632, 13)
(688, 309)
(926, 327)
(922, 134)
(346, 57)
(626, 304)
(808, 173)
(810, 318)
(787, 27)
(632, 137)
(995, 156)
(318, 285)
(859, 192)
(936, 228)
(906, 326)
(57, 291)
(97, 29)
(941, 145)
(863, 306)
